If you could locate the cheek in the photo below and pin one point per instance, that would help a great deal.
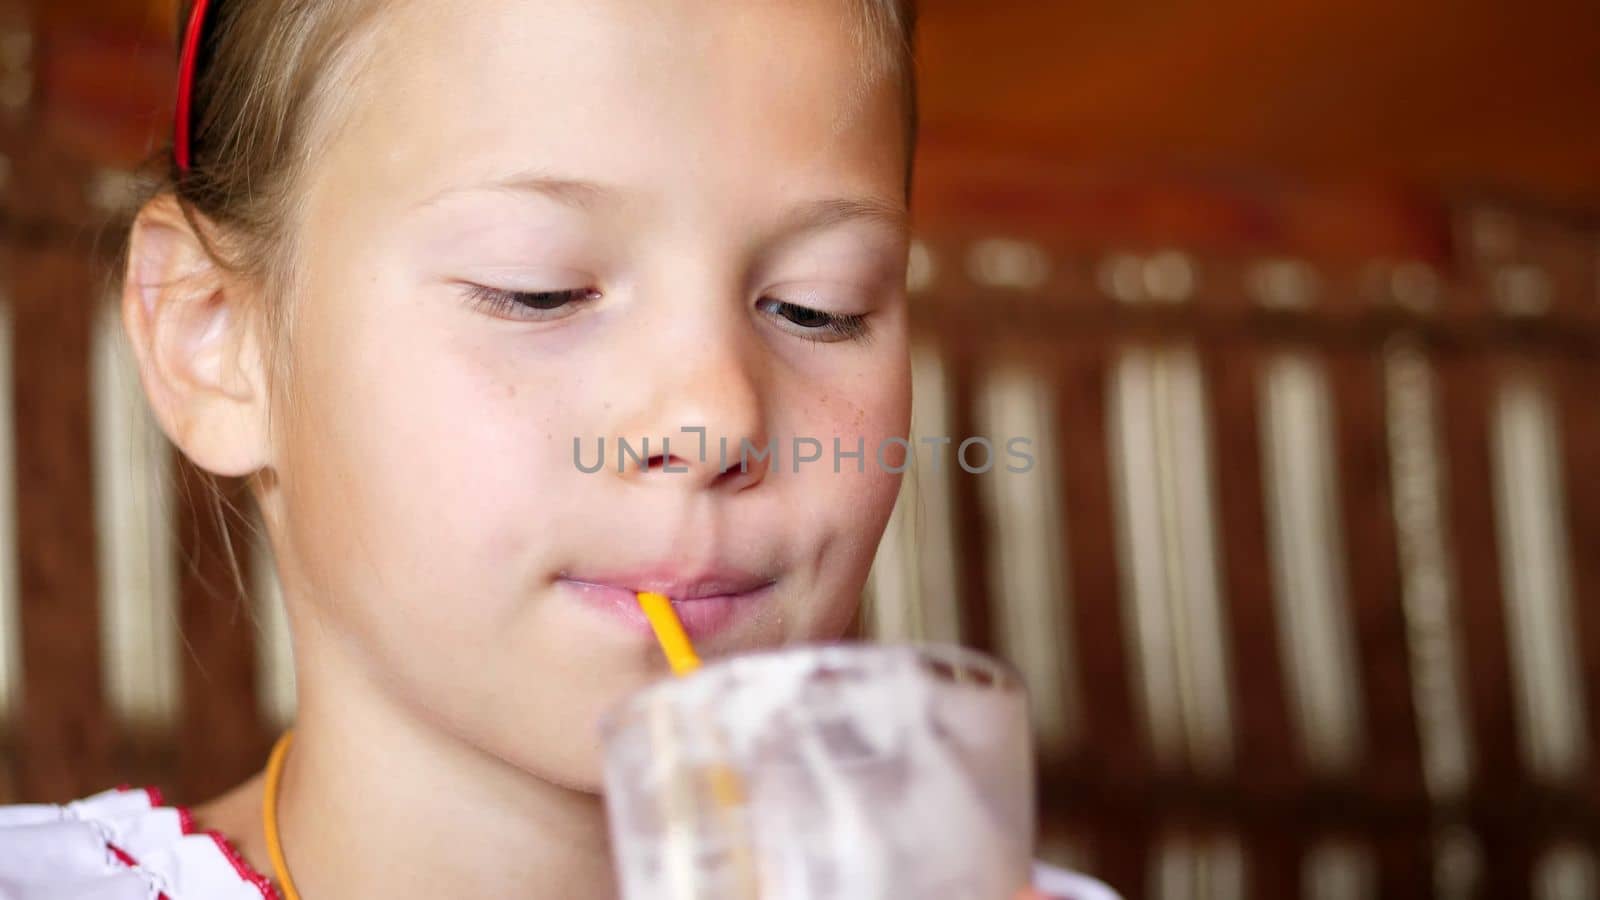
(411, 466)
(845, 502)
(865, 391)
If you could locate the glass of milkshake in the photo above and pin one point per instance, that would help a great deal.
(825, 772)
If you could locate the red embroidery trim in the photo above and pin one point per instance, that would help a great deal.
(127, 859)
(245, 871)
(186, 821)
(186, 64)
(261, 882)
(123, 856)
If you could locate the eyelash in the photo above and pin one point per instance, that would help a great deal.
(828, 327)
(528, 305)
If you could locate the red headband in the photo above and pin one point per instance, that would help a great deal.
(193, 36)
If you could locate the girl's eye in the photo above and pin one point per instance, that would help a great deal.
(816, 325)
(537, 306)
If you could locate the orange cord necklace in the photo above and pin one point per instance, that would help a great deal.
(269, 816)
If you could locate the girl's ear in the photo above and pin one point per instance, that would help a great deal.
(197, 340)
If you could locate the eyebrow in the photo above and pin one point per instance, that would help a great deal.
(840, 210)
(574, 192)
(588, 195)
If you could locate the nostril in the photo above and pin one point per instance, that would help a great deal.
(662, 462)
(730, 475)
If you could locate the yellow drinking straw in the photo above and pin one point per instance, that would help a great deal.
(669, 633)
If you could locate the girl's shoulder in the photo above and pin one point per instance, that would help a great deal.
(122, 844)
(1060, 884)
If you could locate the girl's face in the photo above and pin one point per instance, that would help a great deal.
(547, 224)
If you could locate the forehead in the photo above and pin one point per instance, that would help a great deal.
(721, 95)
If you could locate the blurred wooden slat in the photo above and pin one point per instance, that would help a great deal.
(1267, 755)
(1580, 423)
(1115, 756)
(1535, 569)
(10, 621)
(1116, 748)
(1566, 869)
(964, 362)
(1024, 527)
(1197, 862)
(1424, 546)
(1464, 388)
(1393, 765)
(1340, 867)
(1309, 560)
(135, 520)
(1164, 497)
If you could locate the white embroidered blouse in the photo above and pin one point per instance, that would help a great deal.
(127, 844)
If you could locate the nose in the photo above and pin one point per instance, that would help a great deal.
(696, 415)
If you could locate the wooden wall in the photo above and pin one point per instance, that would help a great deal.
(1320, 553)
(1304, 297)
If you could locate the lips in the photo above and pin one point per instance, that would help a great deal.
(707, 602)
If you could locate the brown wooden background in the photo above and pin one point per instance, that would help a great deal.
(1122, 810)
(1355, 140)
